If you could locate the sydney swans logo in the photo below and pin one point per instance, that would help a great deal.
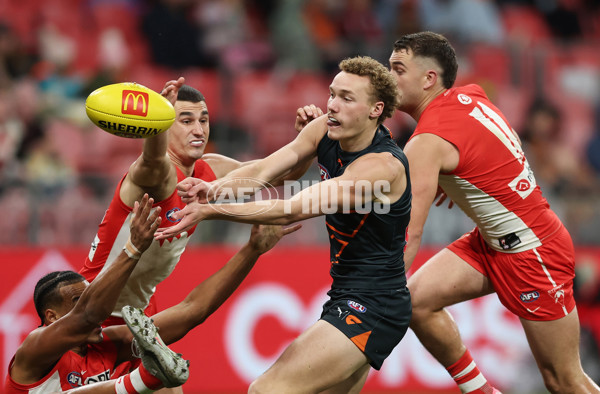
(243, 190)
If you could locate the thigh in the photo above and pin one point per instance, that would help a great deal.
(446, 279)
(318, 359)
(555, 344)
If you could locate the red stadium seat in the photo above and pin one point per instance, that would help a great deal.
(525, 24)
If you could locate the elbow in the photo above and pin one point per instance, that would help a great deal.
(414, 234)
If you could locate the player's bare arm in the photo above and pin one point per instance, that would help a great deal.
(428, 155)
(223, 165)
(206, 297)
(278, 165)
(93, 303)
(153, 172)
(373, 177)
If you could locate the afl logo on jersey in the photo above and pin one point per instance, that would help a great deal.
(169, 215)
(356, 306)
(529, 296)
(464, 99)
(324, 173)
(74, 379)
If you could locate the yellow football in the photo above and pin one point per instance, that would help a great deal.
(129, 110)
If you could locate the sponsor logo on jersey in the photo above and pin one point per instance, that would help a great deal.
(356, 306)
(324, 173)
(529, 296)
(101, 377)
(464, 99)
(523, 185)
(351, 319)
(169, 215)
(74, 379)
(558, 293)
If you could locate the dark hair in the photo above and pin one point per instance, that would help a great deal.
(188, 93)
(46, 290)
(434, 46)
(385, 87)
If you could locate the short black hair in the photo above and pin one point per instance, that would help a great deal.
(47, 293)
(434, 46)
(188, 93)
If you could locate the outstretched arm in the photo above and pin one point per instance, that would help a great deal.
(209, 295)
(374, 178)
(44, 346)
(153, 172)
(276, 166)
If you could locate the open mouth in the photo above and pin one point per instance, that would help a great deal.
(197, 143)
(332, 122)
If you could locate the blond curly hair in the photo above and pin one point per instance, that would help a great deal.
(383, 82)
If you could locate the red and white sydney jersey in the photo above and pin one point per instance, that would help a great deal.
(157, 262)
(72, 370)
(493, 183)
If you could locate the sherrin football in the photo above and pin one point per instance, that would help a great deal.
(129, 110)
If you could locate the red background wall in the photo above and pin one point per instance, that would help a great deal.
(279, 299)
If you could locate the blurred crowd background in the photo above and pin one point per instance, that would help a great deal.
(256, 61)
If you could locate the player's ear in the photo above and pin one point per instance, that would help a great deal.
(50, 316)
(431, 77)
(376, 110)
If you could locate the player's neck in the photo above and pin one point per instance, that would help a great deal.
(427, 99)
(81, 349)
(187, 169)
(360, 141)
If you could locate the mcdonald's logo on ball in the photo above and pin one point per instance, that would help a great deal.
(135, 103)
(129, 110)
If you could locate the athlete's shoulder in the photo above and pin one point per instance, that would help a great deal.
(209, 165)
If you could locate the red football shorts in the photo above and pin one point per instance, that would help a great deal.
(536, 284)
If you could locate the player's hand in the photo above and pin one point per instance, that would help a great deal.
(264, 237)
(194, 189)
(144, 223)
(305, 115)
(440, 196)
(171, 89)
(190, 215)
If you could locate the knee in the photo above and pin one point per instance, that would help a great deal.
(421, 307)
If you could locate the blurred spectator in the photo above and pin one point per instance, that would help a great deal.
(15, 61)
(593, 147)
(114, 58)
(557, 168)
(46, 172)
(233, 36)
(11, 134)
(295, 48)
(175, 41)
(562, 17)
(360, 27)
(463, 21)
(400, 18)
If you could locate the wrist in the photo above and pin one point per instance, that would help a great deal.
(252, 249)
(131, 251)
